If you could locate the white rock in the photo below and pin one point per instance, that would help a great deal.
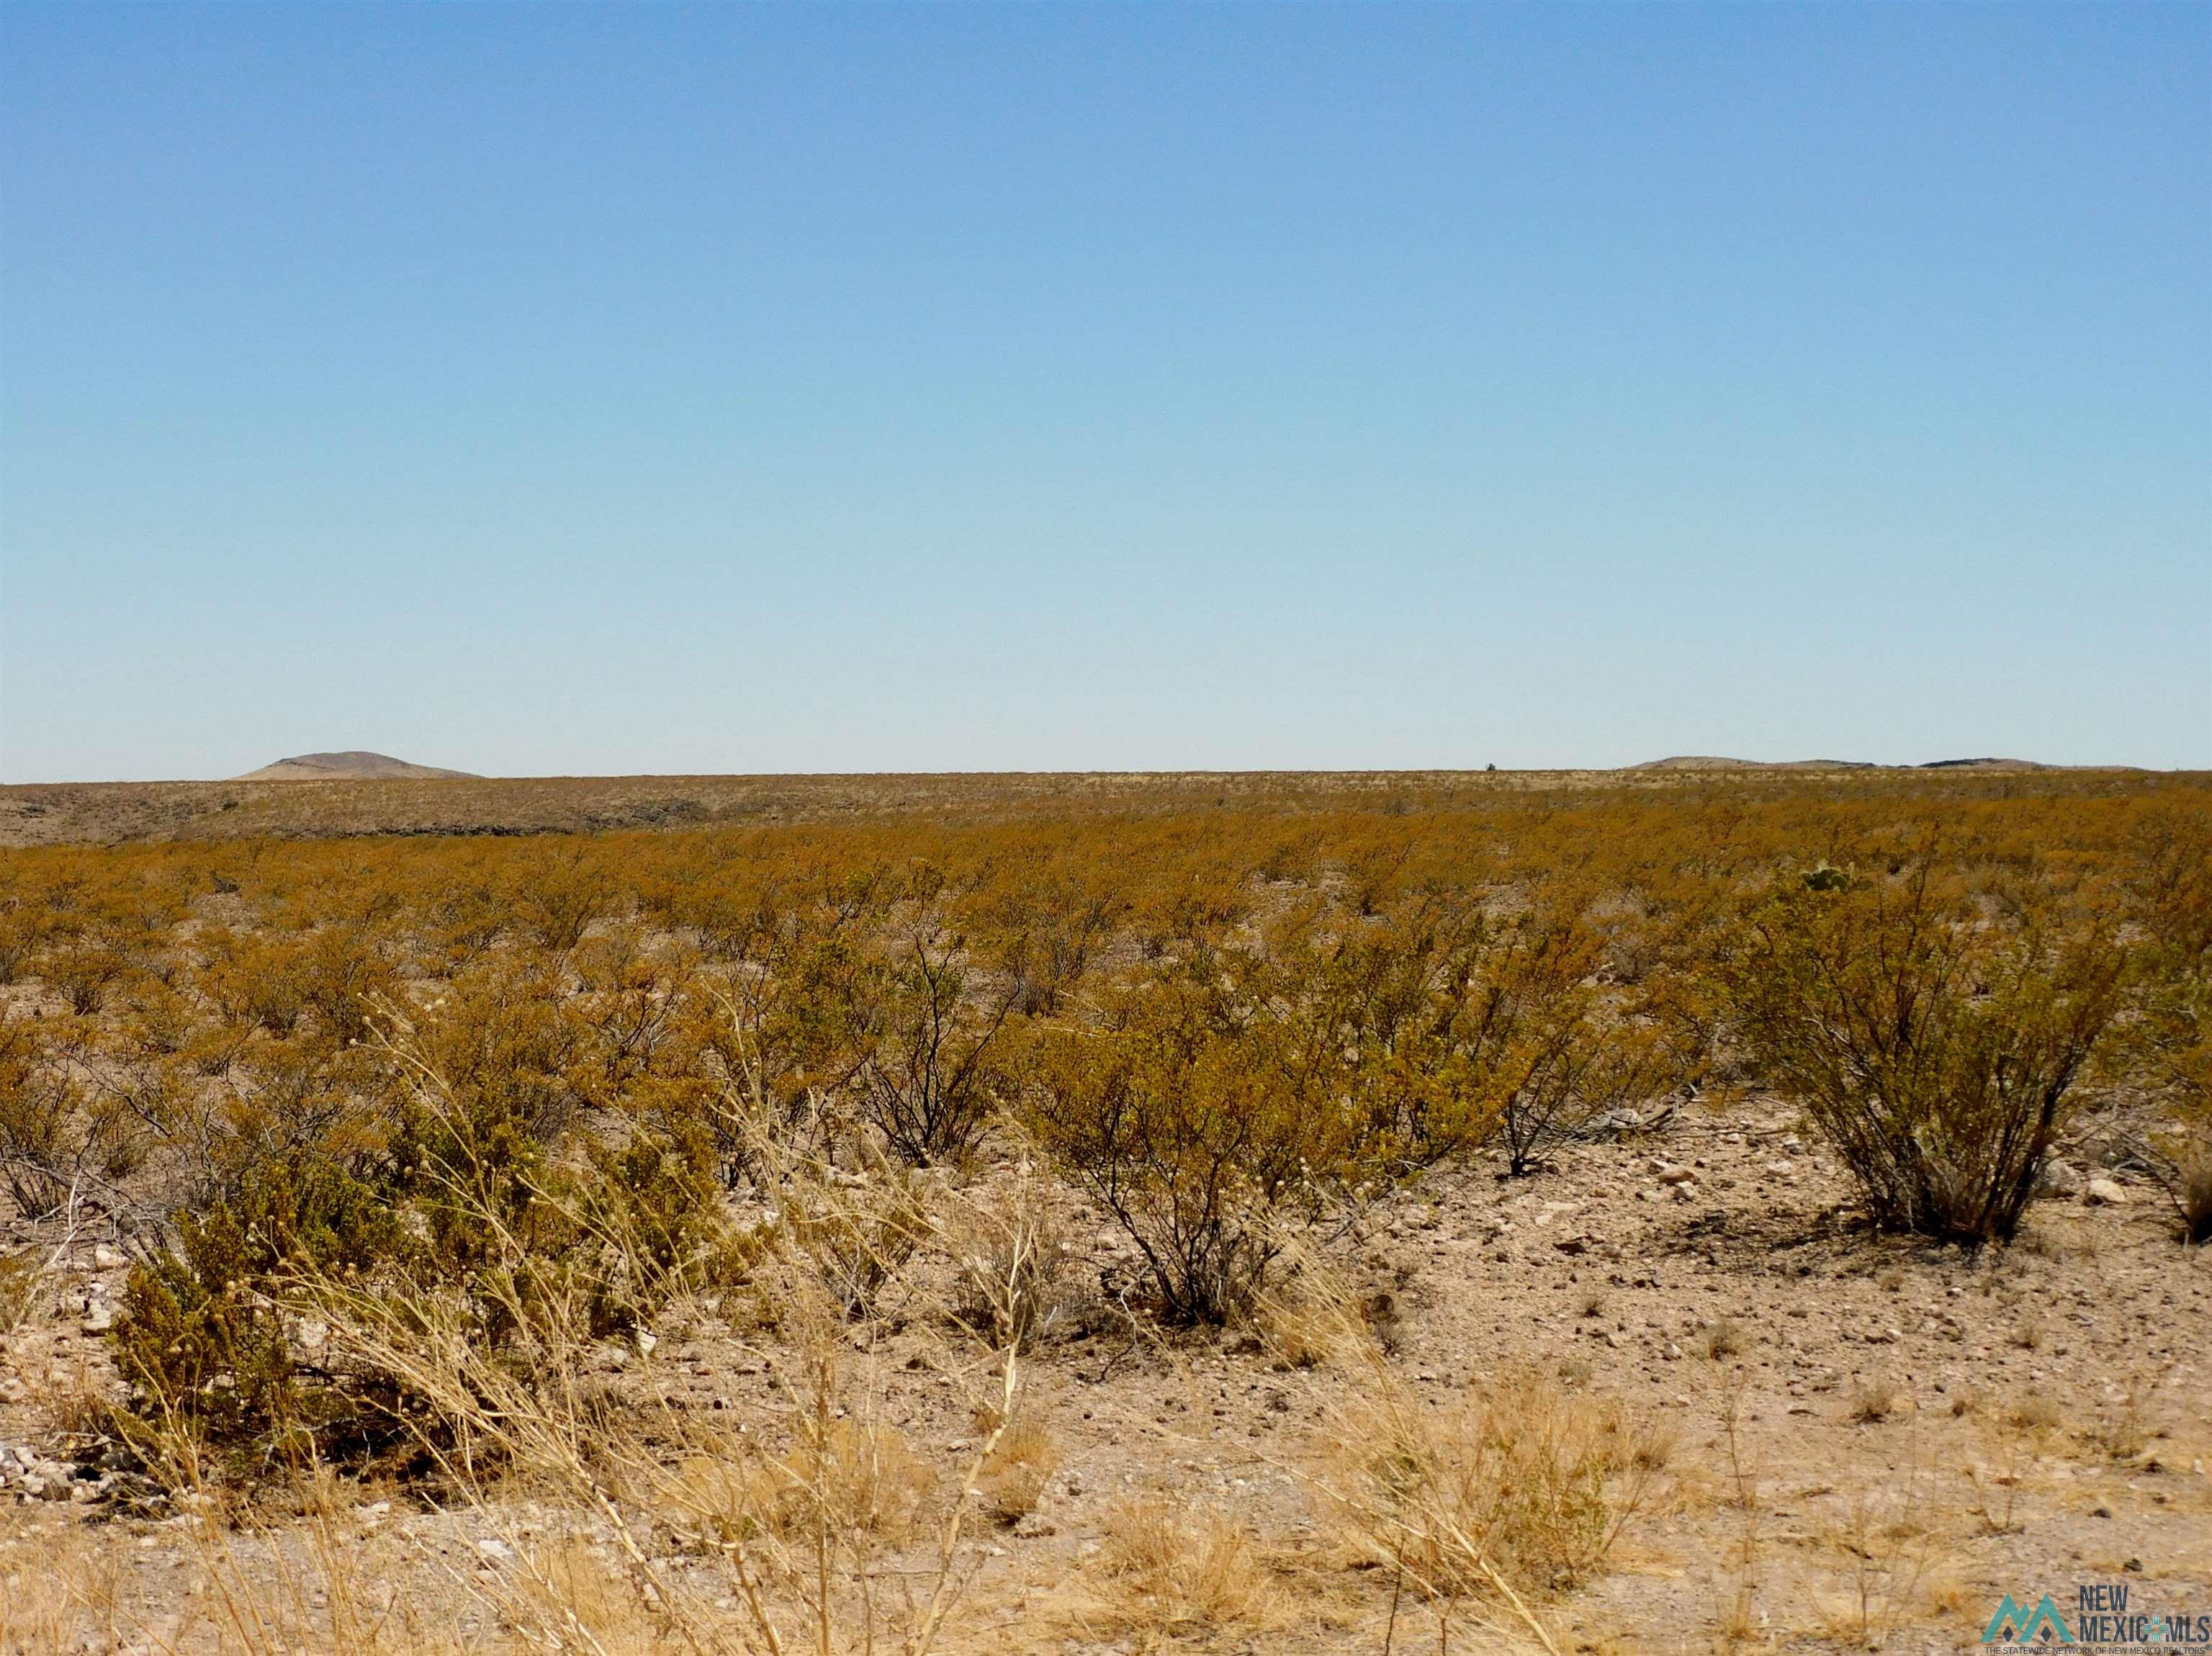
(105, 1258)
(2104, 1192)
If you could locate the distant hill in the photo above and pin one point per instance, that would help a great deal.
(1700, 761)
(355, 766)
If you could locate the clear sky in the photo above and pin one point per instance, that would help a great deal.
(554, 389)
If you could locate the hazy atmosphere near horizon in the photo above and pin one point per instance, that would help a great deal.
(584, 389)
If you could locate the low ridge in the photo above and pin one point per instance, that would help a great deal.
(1700, 761)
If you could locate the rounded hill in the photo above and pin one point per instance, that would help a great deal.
(352, 767)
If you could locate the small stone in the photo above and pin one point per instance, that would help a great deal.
(494, 1549)
(98, 1317)
(2104, 1192)
(105, 1258)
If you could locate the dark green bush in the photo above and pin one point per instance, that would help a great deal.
(206, 1340)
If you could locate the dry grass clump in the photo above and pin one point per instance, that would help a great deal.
(565, 1594)
(1010, 1261)
(1872, 1401)
(50, 1598)
(860, 1478)
(1014, 1474)
(1311, 1320)
(1521, 1487)
(1722, 1339)
(1172, 1567)
(1515, 1486)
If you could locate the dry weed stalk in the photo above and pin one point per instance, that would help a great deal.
(1740, 1618)
(27, 1278)
(1996, 1482)
(1891, 1539)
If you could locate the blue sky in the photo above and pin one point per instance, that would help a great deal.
(547, 390)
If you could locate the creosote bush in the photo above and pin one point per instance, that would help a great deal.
(1935, 1036)
(457, 1201)
(1236, 1089)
